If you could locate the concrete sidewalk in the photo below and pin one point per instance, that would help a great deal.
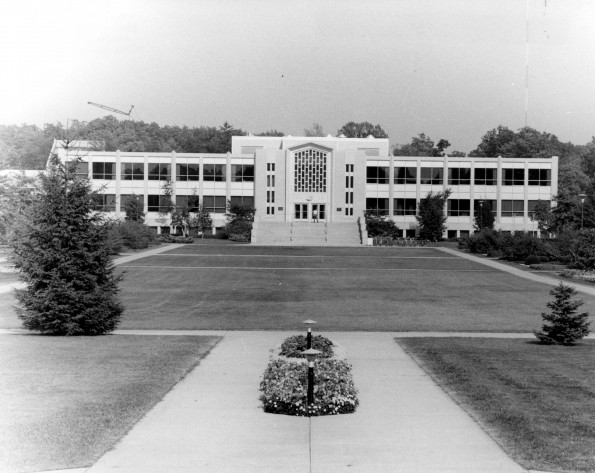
(213, 422)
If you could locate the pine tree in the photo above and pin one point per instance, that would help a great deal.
(564, 326)
(61, 251)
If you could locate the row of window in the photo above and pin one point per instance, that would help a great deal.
(455, 207)
(457, 176)
(159, 203)
(184, 172)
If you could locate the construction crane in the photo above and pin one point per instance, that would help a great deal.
(105, 107)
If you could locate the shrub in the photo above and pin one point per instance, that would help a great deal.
(284, 388)
(135, 235)
(564, 326)
(532, 259)
(588, 276)
(293, 347)
(239, 230)
(544, 259)
(522, 245)
(582, 250)
(378, 225)
(175, 239)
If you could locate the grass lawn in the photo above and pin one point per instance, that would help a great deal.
(64, 401)
(243, 287)
(537, 401)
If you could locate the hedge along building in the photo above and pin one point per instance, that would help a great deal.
(289, 180)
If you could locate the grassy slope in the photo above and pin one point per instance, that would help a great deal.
(537, 401)
(64, 401)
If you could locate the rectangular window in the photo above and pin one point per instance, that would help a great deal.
(540, 177)
(214, 172)
(491, 203)
(513, 208)
(377, 204)
(404, 206)
(486, 177)
(532, 203)
(513, 177)
(242, 173)
(82, 169)
(405, 175)
(159, 172)
(104, 202)
(214, 204)
(377, 175)
(189, 201)
(104, 170)
(158, 203)
(243, 200)
(458, 207)
(433, 176)
(459, 176)
(187, 172)
(133, 171)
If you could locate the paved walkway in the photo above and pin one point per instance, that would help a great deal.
(213, 422)
(550, 279)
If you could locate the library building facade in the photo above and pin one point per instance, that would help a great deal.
(295, 182)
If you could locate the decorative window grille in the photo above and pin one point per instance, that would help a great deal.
(270, 188)
(310, 171)
(349, 190)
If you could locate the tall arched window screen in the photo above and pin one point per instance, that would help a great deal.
(310, 171)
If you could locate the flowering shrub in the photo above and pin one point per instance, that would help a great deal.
(293, 347)
(285, 388)
(175, 239)
(578, 274)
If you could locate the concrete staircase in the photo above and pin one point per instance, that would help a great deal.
(306, 234)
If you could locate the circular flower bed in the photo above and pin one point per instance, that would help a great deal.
(294, 347)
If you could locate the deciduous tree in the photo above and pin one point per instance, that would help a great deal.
(361, 130)
(431, 217)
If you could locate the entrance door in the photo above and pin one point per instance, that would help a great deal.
(320, 211)
(301, 212)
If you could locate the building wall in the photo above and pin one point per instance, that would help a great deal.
(348, 187)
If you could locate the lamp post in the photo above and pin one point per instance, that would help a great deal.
(309, 322)
(480, 215)
(311, 355)
(582, 197)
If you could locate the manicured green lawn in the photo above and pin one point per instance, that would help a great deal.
(243, 287)
(64, 401)
(537, 401)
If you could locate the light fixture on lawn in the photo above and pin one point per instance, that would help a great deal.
(309, 323)
(311, 355)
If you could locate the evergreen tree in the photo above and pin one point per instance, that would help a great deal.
(564, 326)
(431, 217)
(62, 253)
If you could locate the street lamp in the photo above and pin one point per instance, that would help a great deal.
(582, 197)
(480, 215)
(309, 322)
(311, 355)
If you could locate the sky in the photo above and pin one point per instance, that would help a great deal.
(451, 69)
